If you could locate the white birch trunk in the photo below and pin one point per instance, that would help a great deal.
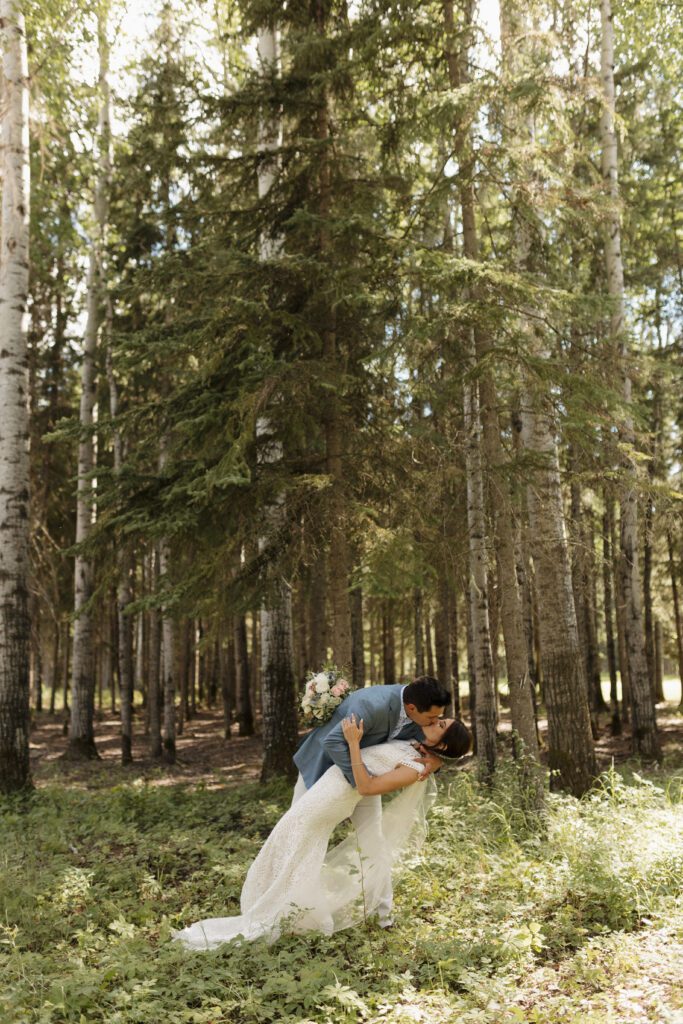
(14, 451)
(485, 709)
(483, 438)
(570, 742)
(81, 731)
(644, 723)
(280, 731)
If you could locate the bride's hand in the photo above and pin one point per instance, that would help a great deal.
(353, 731)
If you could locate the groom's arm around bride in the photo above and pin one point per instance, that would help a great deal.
(388, 712)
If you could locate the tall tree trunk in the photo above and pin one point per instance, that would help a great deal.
(649, 624)
(278, 699)
(471, 667)
(582, 570)
(35, 670)
(442, 629)
(428, 640)
(388, 642)
(418, 635)
(81, 730)
(521, 700)
(677, 609)
(336, 432)
(659, 661)
(482, 430)
(14, 427)
(183, 675)
(358, 642)
(66, 658)
(644, 723)
(561, 668)
(280, 732)
(123, 585)
(243, 709)
(55, 667)
(154, 691)
(317, 619)
(485, 719)
(570, 740)
(485, 715)
(455, 658)
(608, 602)
(168, 666)
(620, 609)
(226, 655)
(301, 660)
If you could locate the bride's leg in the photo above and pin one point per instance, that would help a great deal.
(291, 858)
(367, 818)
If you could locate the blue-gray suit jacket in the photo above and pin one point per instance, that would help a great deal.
(378, 706)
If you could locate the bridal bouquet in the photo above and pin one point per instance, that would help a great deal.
(324, 692)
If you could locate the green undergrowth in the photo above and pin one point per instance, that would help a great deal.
(508, 918)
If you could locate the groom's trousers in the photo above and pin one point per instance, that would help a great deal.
(367, 819)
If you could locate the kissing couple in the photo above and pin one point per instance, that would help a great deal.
(379, 740)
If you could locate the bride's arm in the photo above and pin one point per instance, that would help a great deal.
(374, 785)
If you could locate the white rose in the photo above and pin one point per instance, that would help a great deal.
(322, 686)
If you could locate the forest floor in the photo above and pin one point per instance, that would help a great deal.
(574, 917)
(205, 756)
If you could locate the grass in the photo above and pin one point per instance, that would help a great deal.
(575, 918)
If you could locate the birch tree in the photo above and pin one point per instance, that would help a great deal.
(81, 730)
(571, 754)
(14, 456)
(644, 724)
(484, 414)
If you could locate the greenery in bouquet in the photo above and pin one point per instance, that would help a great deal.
(323, 693)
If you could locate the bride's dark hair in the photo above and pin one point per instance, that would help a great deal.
(455, 741)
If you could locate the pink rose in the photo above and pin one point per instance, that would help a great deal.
(340, 688)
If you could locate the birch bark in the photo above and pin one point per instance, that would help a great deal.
(81, 731)
(14, 426)
(484, 404)
(677, 610)
(570, 742)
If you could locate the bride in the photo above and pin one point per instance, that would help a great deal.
(295, 884)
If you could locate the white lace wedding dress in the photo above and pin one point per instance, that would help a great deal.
(296, 884)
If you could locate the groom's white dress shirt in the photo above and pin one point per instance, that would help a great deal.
(402, 719)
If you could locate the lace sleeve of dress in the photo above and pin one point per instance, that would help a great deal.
(412, 763)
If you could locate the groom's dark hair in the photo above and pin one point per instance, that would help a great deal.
(426, 692)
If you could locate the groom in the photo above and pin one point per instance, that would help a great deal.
(388, 712)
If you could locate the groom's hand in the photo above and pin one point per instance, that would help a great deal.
(431, 762)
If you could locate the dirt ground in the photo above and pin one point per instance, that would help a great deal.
(205, 756)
